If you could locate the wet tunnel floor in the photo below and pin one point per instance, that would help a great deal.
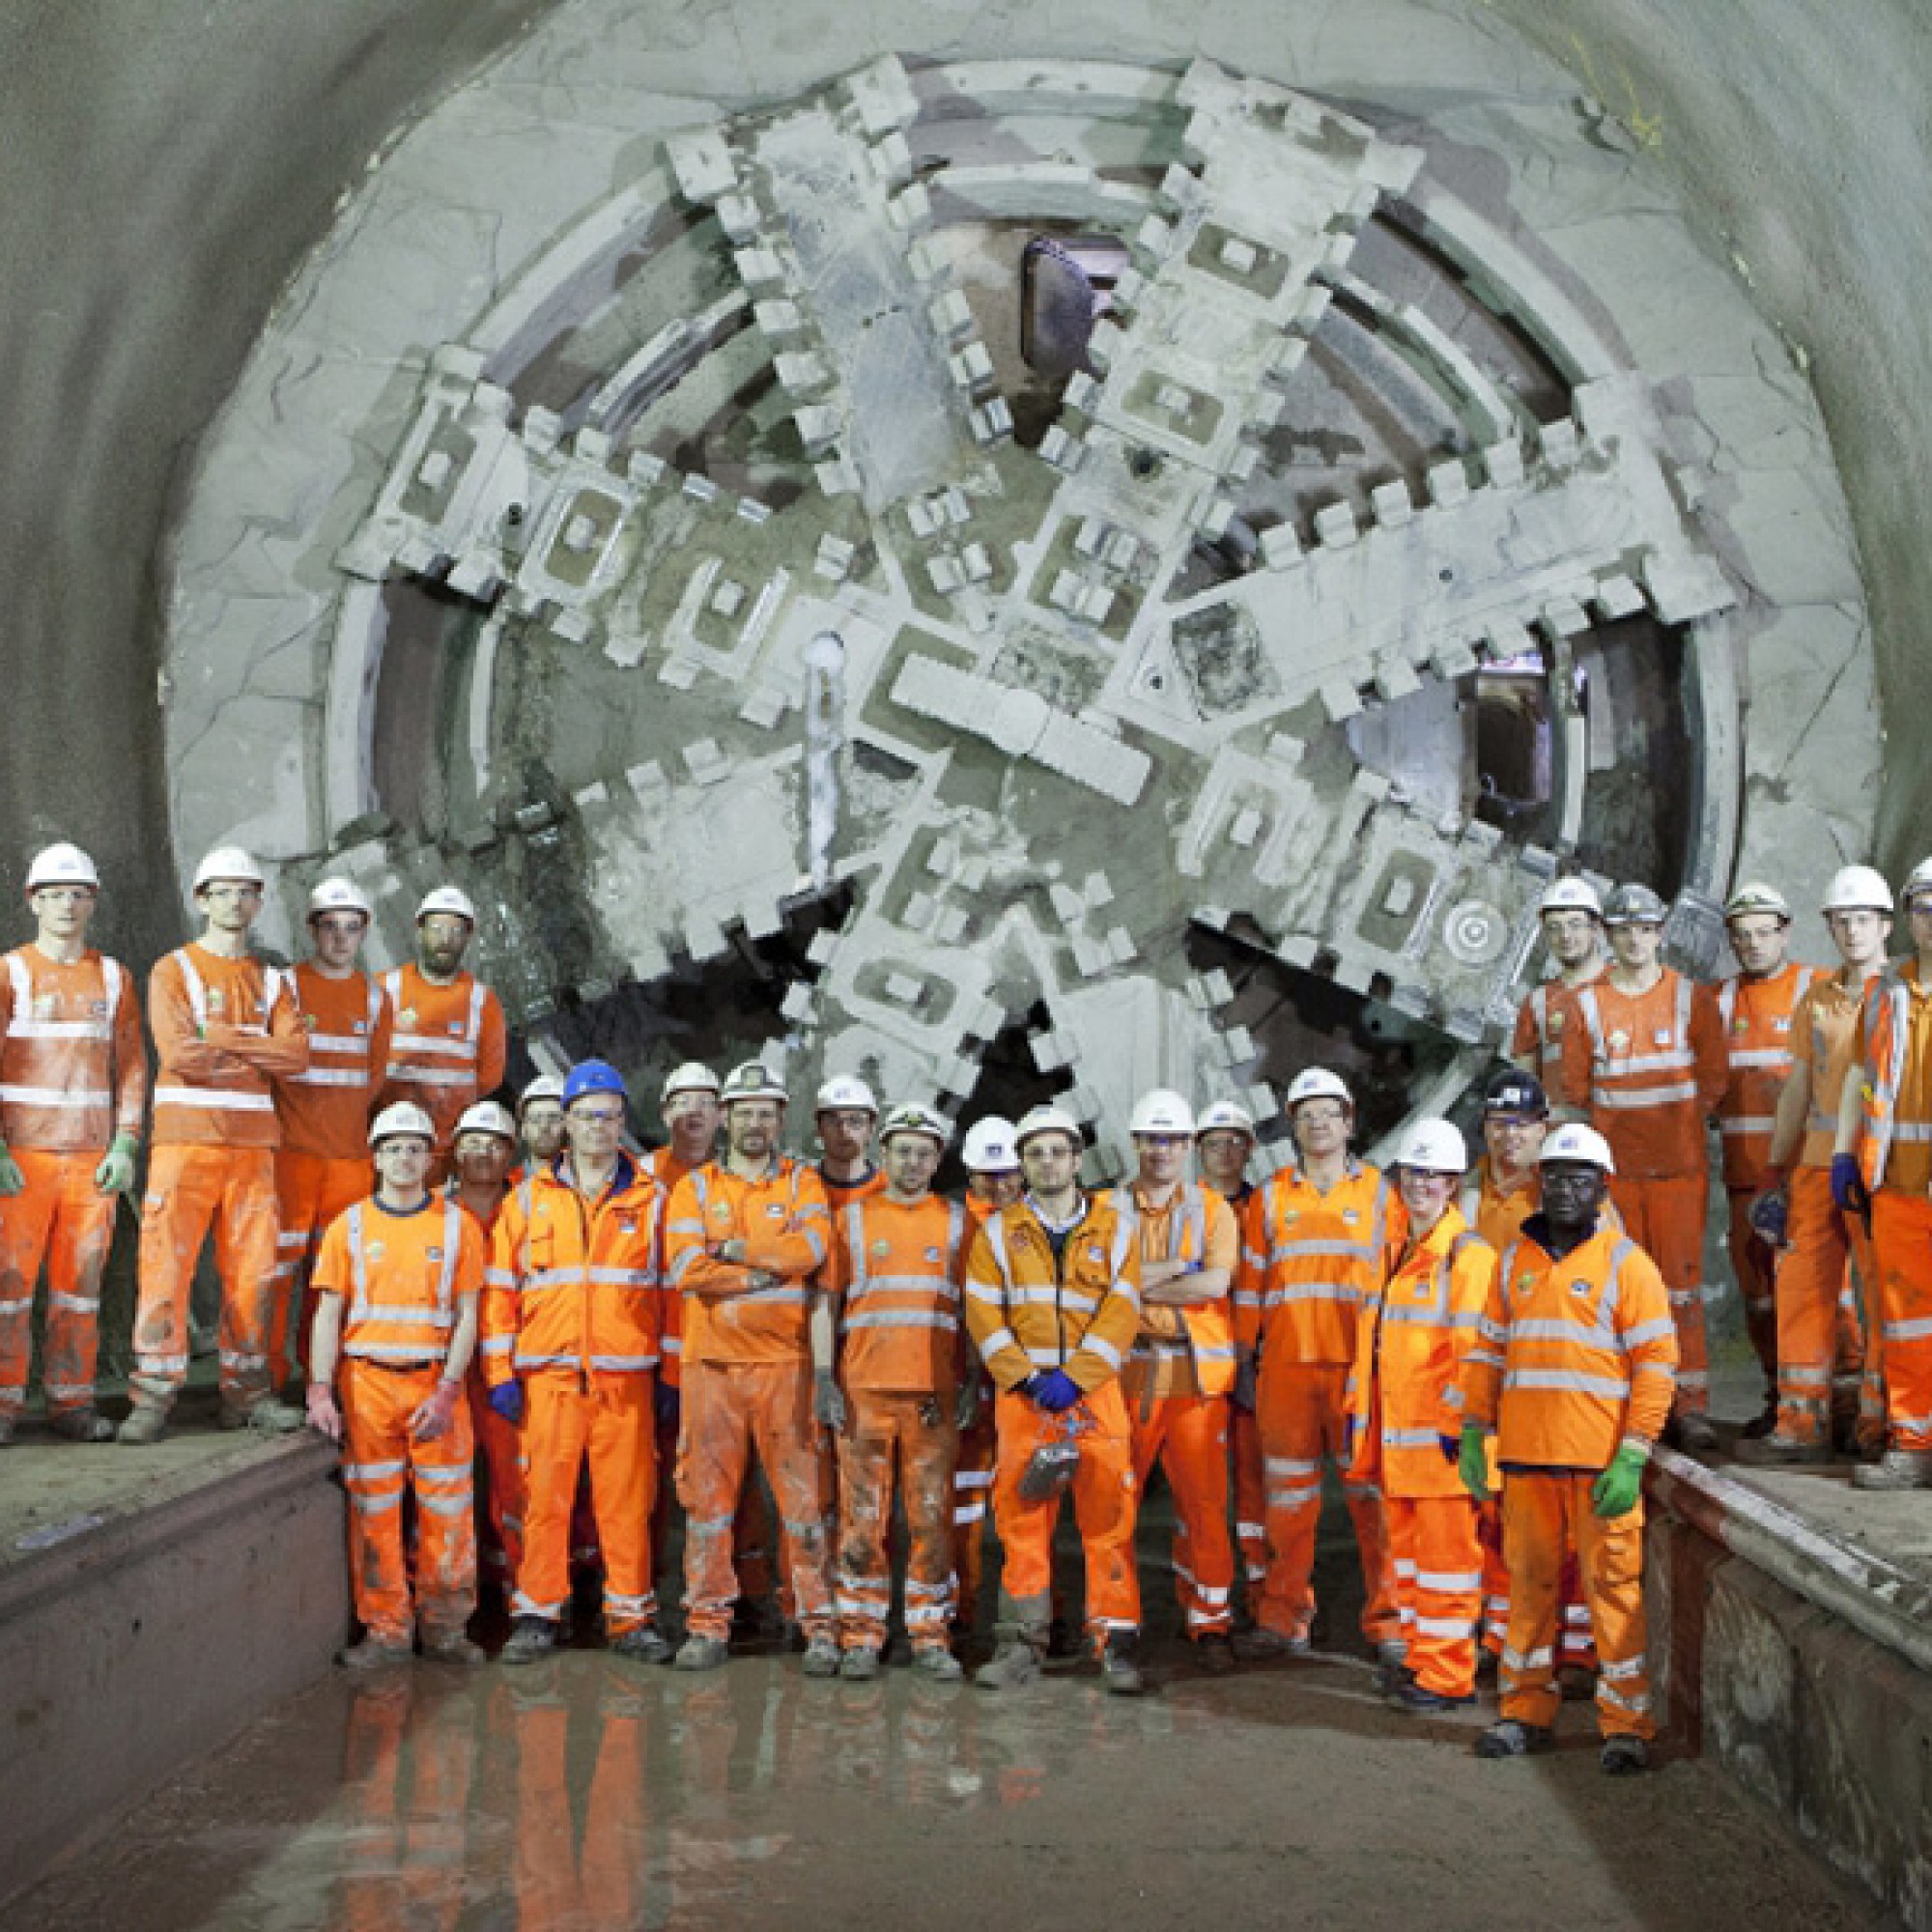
(591, 1793)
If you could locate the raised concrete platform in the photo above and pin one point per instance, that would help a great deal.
(152, 1604)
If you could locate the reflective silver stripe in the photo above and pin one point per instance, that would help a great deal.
(1762, 1055)
(1354, 1251)
(95, 1030)
(56, 1097)
(328, 1076)
(623, 1364)
(340, 1042)
(1616, 1101)
(1748, 1123)
(902, 1318)
(429, 1077)
(435, 1043)
(1913, 1131)
(216, 1098)
(1563, 1379)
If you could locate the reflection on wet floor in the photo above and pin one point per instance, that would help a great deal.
(592, 1793)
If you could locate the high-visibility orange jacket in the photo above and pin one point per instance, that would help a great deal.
(1756, 1016)
(1825, 1038)
(1573, 1357)
(1896, 1037)
(898, 1266)
(401, 1276)
(1497, 1211)
(841, 1194)
(326, 1108)
(573, 1283)
(1650, 1068)
(1543, 1022)
(223, 1030)
(1029, 1312)
(1412, 1335)
(1185, 1350)
(448, 1046)
(782, 1220)
(73, 1072)
(666, 1169)
(1313, 1258)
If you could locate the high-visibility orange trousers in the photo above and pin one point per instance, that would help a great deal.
(61, 1218)
(605, 1427)
(1302, 1421)
(499, 1453)
(1437, 1563)
(1106, 1507)
(1575, 1647)
(908, 1442)
(1665, 1216)
(1754, 1263)
(1187, 1435)
(731, 1409)
(383, 1460)
(1811, 1316)
(971, 1489)
(1545, 1517)
(189, 1190)
(1244, 1445)
(1902, 1245)
(310, 1192)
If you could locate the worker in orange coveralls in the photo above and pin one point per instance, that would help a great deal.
(395, 1325)
(225, 1027)
(895, 1404)
(1572, 918)
(73, 1078)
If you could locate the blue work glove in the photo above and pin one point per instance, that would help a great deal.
(508, 1399)
(1615, 1491)
(1848, 1186)
(669, 1405)
(1029, 1387)
(1770, 1215)
(1451, 1447)
(1056, 1391)
(1472, 1461)
(1245, 1393)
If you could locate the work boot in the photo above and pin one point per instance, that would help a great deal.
(1895, 1470)
(1214, 1653)
(265, 1415)
(147, 1422)
(1421, 1702)
(1119, 1671)
(1509, 1737)
(1263, 1645)
(531, 1639)
(452, 1647)
(701, 1653)
(78, 1424)
(1015, 1663)
(860, 1664)
(375, 1653)
(821, 1658)
(938, 1663)
(1781, 1452)
(1622, 1756)
(1391, 1667)
(1695, 1434)
(645, 1643)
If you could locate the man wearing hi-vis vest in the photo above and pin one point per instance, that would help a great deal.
(1053, 1304)
(1176, 1381)
(396, 1290)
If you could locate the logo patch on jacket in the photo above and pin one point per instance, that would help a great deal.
(1097, 1255)
(880, 1249)
(932, 1254)
(436, 1254)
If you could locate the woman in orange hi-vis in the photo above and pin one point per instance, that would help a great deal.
(898, 1254)
(1572, 1372)
(225, 1027)
(1648, 1065)
(395, 1327)
(1053, 1305)
(1412, 1335)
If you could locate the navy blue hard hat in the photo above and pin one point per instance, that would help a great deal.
(592, 1077)
(1516, 1093)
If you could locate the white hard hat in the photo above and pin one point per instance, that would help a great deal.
(228, 862)
(448, 899)
(913, 1118)
(846, 1091)
(692, 1077)
(1317, 1083)
(488, 1116)
(403, 1117)
(1570, 894)
(1161, 1111)
(1856, 889)
(1574, 1142)
(752, 1080)
(1917, 880)
(544, 1086)
(1634, 905)
(1224, 1115)
(62, 865)
(990, 1147)
(1434, 1146)
(1048, 1120)
(1756, 896)
(339, 896)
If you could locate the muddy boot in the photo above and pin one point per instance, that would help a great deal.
(1018, 1660)
(375, 1653)
(1120, 1668)
(702, 1652)
(1510, 1738)
(1781, 1452)
(858, 1664)
(452, 1647)
(821, 1658)
(1263, 1645)
(81, 1425)
(645, 1644)
(937, 1664)
(1623, 1756)
(265, 1415)
(1214, 1653)
(1895, 1470)
(531, 1640)
(147, 1422)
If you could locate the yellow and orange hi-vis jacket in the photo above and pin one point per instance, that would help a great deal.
(899, 1267)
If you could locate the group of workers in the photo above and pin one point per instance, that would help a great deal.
(1485, 1352)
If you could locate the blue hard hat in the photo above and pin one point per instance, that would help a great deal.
(1516, 1095)
(592, 1077)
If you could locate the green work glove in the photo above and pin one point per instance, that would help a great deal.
(12, 1179)
(1615, 1491)
(116, 1173)
(1472, 1462)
